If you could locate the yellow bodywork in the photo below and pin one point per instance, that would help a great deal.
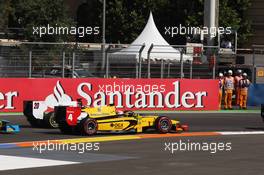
(127, 123)
(99, 112)
(109, 120)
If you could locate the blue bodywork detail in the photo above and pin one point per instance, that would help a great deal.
(7, 128)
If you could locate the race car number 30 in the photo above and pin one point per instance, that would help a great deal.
(72, 114)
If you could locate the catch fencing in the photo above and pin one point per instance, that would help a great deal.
(38, 60)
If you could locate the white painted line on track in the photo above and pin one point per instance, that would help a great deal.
(241, 132)
(14, 162)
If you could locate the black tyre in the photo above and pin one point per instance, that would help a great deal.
(50, 120)
(89, 126)
(163, 124)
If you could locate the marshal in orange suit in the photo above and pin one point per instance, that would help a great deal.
(238, 77)
(221, 85)
(244, 83)
(229, 87)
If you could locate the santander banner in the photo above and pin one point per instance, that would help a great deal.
(127, 94)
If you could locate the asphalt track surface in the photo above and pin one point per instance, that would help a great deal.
(147, 155)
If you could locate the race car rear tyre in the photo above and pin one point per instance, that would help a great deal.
(90, 126)
(50, 120)
(163, 124)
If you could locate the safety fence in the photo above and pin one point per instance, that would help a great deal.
(28, 59)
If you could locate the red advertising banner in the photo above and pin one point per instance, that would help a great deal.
(135, 94)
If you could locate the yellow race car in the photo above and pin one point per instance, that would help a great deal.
(89, 120)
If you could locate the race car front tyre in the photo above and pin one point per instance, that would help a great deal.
(50, 120)
(163, 124)
(90, 126)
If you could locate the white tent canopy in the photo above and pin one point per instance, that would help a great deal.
(150, 35)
